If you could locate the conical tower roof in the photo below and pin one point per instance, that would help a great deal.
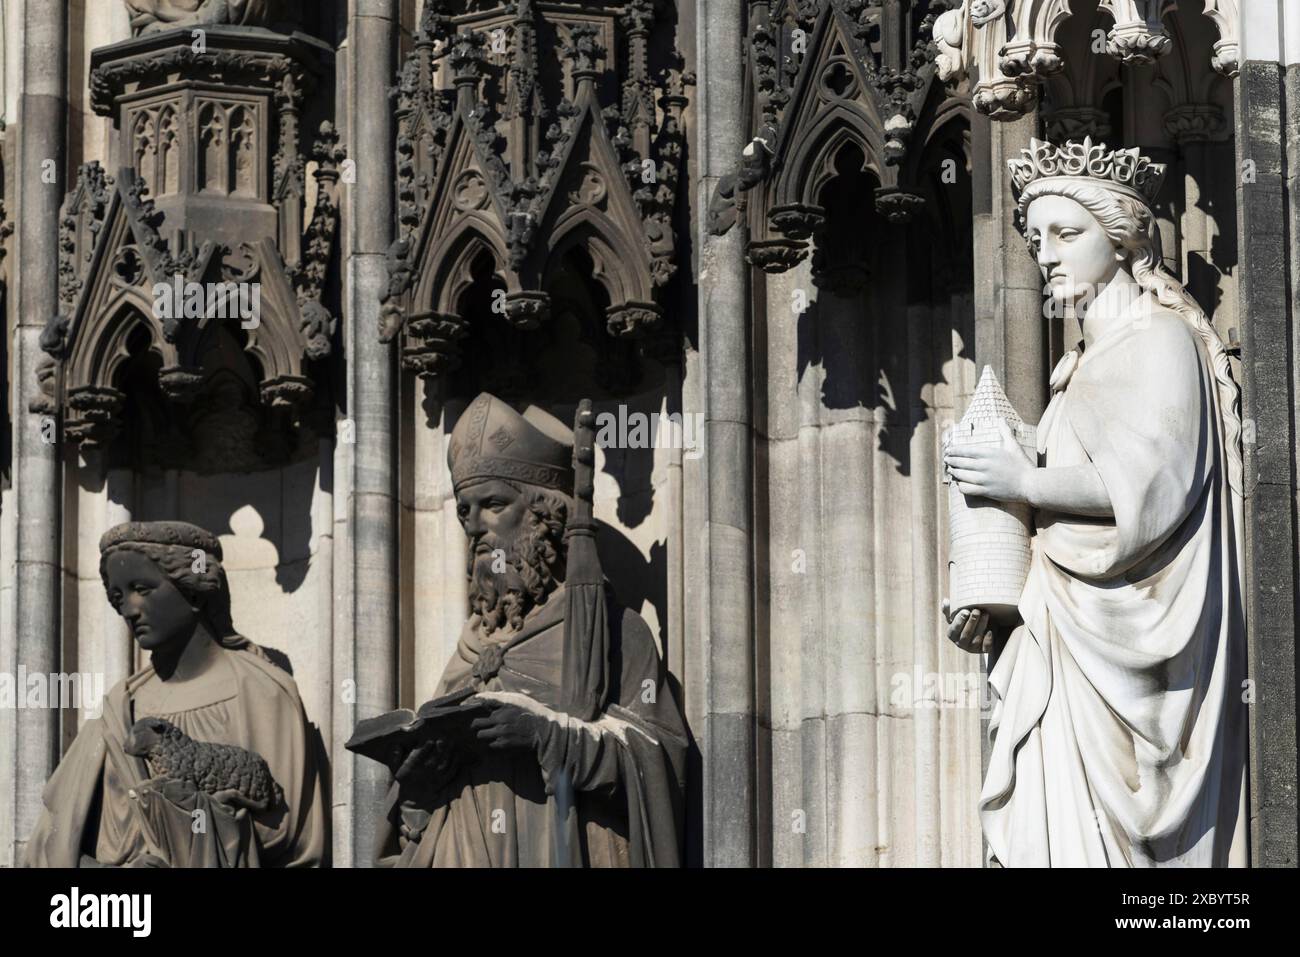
(989, 402)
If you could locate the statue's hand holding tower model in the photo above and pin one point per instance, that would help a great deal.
(989, 541)
(1118, 730)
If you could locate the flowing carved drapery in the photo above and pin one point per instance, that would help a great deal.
(154, 16)
(213, 193)
(526, 131)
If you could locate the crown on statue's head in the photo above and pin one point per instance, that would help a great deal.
(1125, 171)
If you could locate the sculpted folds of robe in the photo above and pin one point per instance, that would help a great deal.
(501, 809)
(1119, 727)
(249, 702)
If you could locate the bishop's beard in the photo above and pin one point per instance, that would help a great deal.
(505, 597)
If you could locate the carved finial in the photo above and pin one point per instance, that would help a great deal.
(640, 16)
(327, 152)
(468, 59)
(584, 50)
(6, 228)
(435, 22)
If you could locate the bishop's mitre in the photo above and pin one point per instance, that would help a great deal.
(493, 441)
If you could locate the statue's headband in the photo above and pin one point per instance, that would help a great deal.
(181, 534)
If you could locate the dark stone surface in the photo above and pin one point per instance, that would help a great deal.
(1266, 117)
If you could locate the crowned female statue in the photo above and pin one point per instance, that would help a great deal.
(204, 758)
(1119, 725)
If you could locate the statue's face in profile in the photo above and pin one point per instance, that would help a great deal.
(492, 514)
(1076, 256)
(154, 608)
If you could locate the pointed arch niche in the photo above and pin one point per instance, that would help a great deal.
(219, 407)
(854, 195)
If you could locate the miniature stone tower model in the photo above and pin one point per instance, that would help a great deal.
(988, 558)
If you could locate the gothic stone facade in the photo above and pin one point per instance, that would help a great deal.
(786, 218)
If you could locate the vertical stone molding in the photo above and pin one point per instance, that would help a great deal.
(1265, 127)
(365, 654)
(37, 487)
(850, 194)
(717, 490)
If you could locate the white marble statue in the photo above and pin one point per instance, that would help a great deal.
(1118, 731)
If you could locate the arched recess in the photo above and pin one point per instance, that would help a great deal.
(630, 305)
(571, 356)
(470, 258)
(240, 296)
(943, 165)
(862, 352)
(813, 162)
(95, 360)
(441, 288)
(843, 250)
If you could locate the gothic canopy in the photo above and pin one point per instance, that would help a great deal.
(208, 205)
(528, 130)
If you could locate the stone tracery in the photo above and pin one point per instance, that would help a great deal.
(825, 74)
(218, 203)
(508, 152)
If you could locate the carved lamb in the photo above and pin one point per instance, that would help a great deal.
(230, 774)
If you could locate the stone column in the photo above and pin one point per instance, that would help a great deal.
(1010, 331)
(42, 122)
(366, 612)
(719, 575)
(1268, 215)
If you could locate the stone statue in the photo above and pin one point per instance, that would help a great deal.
(204, 758)
(576, 754)
(154, 16)
(1118, 727)
(755, 161)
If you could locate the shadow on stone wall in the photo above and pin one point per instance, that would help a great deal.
(860, 328)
